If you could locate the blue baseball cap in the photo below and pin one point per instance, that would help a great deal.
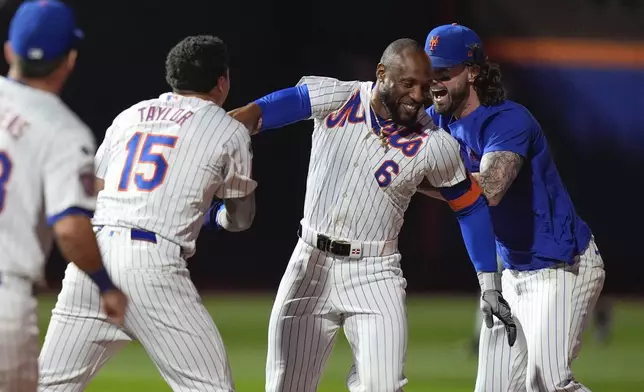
(453, 44)
(43, 30)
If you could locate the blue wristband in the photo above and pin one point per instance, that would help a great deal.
(102, 280)
(210, 218)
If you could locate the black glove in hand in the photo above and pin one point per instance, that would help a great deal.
(493, 304)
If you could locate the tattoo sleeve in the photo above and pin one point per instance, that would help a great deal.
(498, 170)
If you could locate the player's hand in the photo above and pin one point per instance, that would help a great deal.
(493, 304)
(114, 305)
(249, 115)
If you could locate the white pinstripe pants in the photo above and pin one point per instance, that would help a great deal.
(552, 308)
(165, 315)
(19, 340)
(320, 293)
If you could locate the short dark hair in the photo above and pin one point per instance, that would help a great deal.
(489, 85)
(39, 68)
(398, 47)
(196, 63)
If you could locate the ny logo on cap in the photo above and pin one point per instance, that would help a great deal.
(433, 42)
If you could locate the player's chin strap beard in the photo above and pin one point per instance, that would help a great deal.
(384, 105)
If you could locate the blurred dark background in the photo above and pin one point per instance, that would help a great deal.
(577, 64)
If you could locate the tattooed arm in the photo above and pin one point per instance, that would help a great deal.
(498, 171)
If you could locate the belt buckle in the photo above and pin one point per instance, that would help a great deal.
(336, 247)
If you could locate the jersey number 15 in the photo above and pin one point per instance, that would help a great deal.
(139, 151)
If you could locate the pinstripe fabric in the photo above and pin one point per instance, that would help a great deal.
(165, 315)
(45, 151)
(320, 293)
(552, 307)
(18, 336)
(212, 157)
(348, 197)
(206, 153)
(343, 198)
(48, 148)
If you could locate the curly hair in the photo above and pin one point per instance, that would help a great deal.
(488, 84)
(196, 63)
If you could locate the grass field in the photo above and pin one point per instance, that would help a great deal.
(438, 358)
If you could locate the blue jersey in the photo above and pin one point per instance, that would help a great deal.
(535, 223)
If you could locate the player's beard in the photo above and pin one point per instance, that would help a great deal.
(452, 100)
(395, 107)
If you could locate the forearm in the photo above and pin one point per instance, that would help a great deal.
(284, 107)
(473, 216)
(478, 235)
(77, 243)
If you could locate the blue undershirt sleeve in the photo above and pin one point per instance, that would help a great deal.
(284, 107)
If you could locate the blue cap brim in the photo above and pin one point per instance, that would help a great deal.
(442, 62)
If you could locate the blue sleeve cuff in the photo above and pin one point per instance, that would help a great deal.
(210, 218)
(284, 107)
(51, 220)
(102, 280)
(478, 235)
(456, 191)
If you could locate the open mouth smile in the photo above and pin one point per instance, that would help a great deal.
(439, 94)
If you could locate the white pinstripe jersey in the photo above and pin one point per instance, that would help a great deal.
(164, 159)
(357, 189)
(46, 168)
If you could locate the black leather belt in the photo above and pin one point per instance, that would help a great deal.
(326, 244)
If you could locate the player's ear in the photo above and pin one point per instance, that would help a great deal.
(71, 60)
(8, 53)
(380, 72)
(223, 82)
(472, 72)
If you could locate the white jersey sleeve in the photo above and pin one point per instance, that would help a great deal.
(235, 166)
(446, 167)
(68, 174)
(102, 158)
(327, 94)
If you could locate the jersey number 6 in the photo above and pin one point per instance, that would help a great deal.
(143, 145)
(385, 173)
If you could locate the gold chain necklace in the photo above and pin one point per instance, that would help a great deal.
(384, 139)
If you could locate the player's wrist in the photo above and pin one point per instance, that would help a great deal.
(102, 279)
(210, 219)
(218, 215)
(489, 281)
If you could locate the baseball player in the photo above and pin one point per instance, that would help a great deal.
(161, 163)
(553, 270)
(46, 182)
(372, 146)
